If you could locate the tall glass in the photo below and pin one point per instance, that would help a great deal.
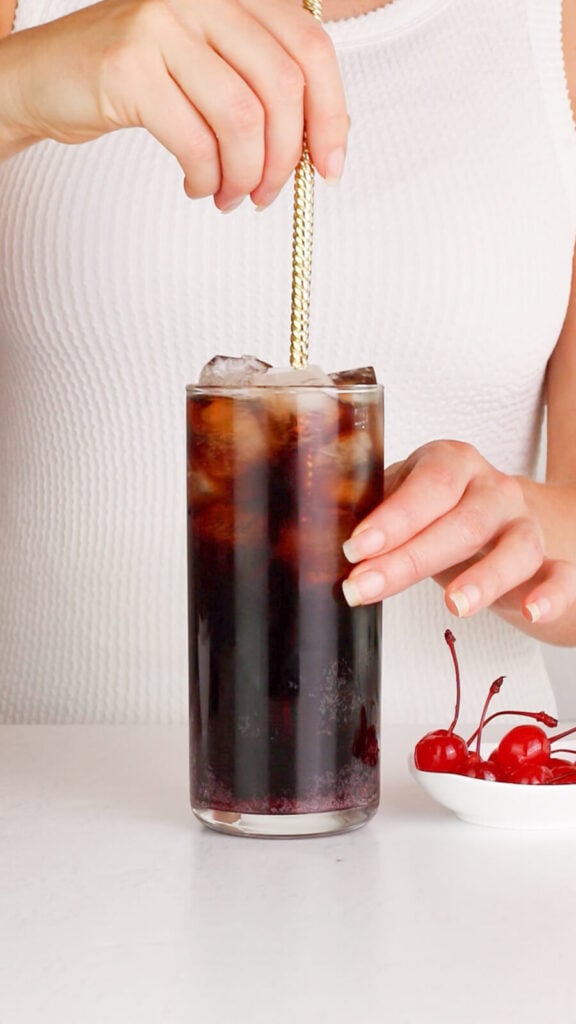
(284, 676)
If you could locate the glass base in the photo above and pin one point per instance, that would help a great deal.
(284, 826)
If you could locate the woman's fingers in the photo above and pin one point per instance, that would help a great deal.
(493, 581)
(514, 556)
(448, 514)
(427, 488)
(311, 48)
(181, 130)
(256, 113)
(251, 68)
(234, 115)
(544, 598)
(223, 85)
(554, 593)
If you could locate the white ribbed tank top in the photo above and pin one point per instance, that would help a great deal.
(443, 258)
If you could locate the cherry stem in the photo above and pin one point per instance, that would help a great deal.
(561, 735)
(451, 641)
(564, 750)
(539, 716)
(494, 689)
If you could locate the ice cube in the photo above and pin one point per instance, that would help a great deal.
(201, 485)
(361, 375)
(354, 450)
(288, 376)
(231, 371)
(356, 464)
(307, 418)
(223, 523)
(226, 438)
(314, 544)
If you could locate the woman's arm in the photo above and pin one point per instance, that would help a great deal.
(7, 12)
(489, 539)
(224, 85)
(553, 504)
(569, 41)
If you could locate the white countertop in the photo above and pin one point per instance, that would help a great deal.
(117, 907)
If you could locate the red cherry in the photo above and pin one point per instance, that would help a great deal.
(525, 744)
(559, 762)
(443, 750)
(440, 751)
(530, 774)
(563, 772)
(497, 768)
(493, 757)
(523, 755)
(486, 770)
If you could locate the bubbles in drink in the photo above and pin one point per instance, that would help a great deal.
(339, 698)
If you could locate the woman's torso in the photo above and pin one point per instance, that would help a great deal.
(443, 259)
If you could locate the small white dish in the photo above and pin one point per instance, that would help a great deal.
(500, 804)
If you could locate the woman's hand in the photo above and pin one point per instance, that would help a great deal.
(224, 85)
(483, 535)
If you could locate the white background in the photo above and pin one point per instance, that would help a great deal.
(561, 662)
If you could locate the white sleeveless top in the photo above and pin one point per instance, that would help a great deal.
(443, 258)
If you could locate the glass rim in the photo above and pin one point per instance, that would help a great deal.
(239, 390)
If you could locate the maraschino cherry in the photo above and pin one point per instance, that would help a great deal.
(443, 750)
(523, 745)
(530, 774)
(524, 755)
(563, 772)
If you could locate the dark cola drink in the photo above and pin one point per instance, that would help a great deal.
(284, 676)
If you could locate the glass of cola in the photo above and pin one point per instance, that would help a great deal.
(284, 676)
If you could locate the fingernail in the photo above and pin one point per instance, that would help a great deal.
(364, 588)
(362, 545)
(334, 166)
(536, 609)
(465, 599)
(233, 205)
(266, 201)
